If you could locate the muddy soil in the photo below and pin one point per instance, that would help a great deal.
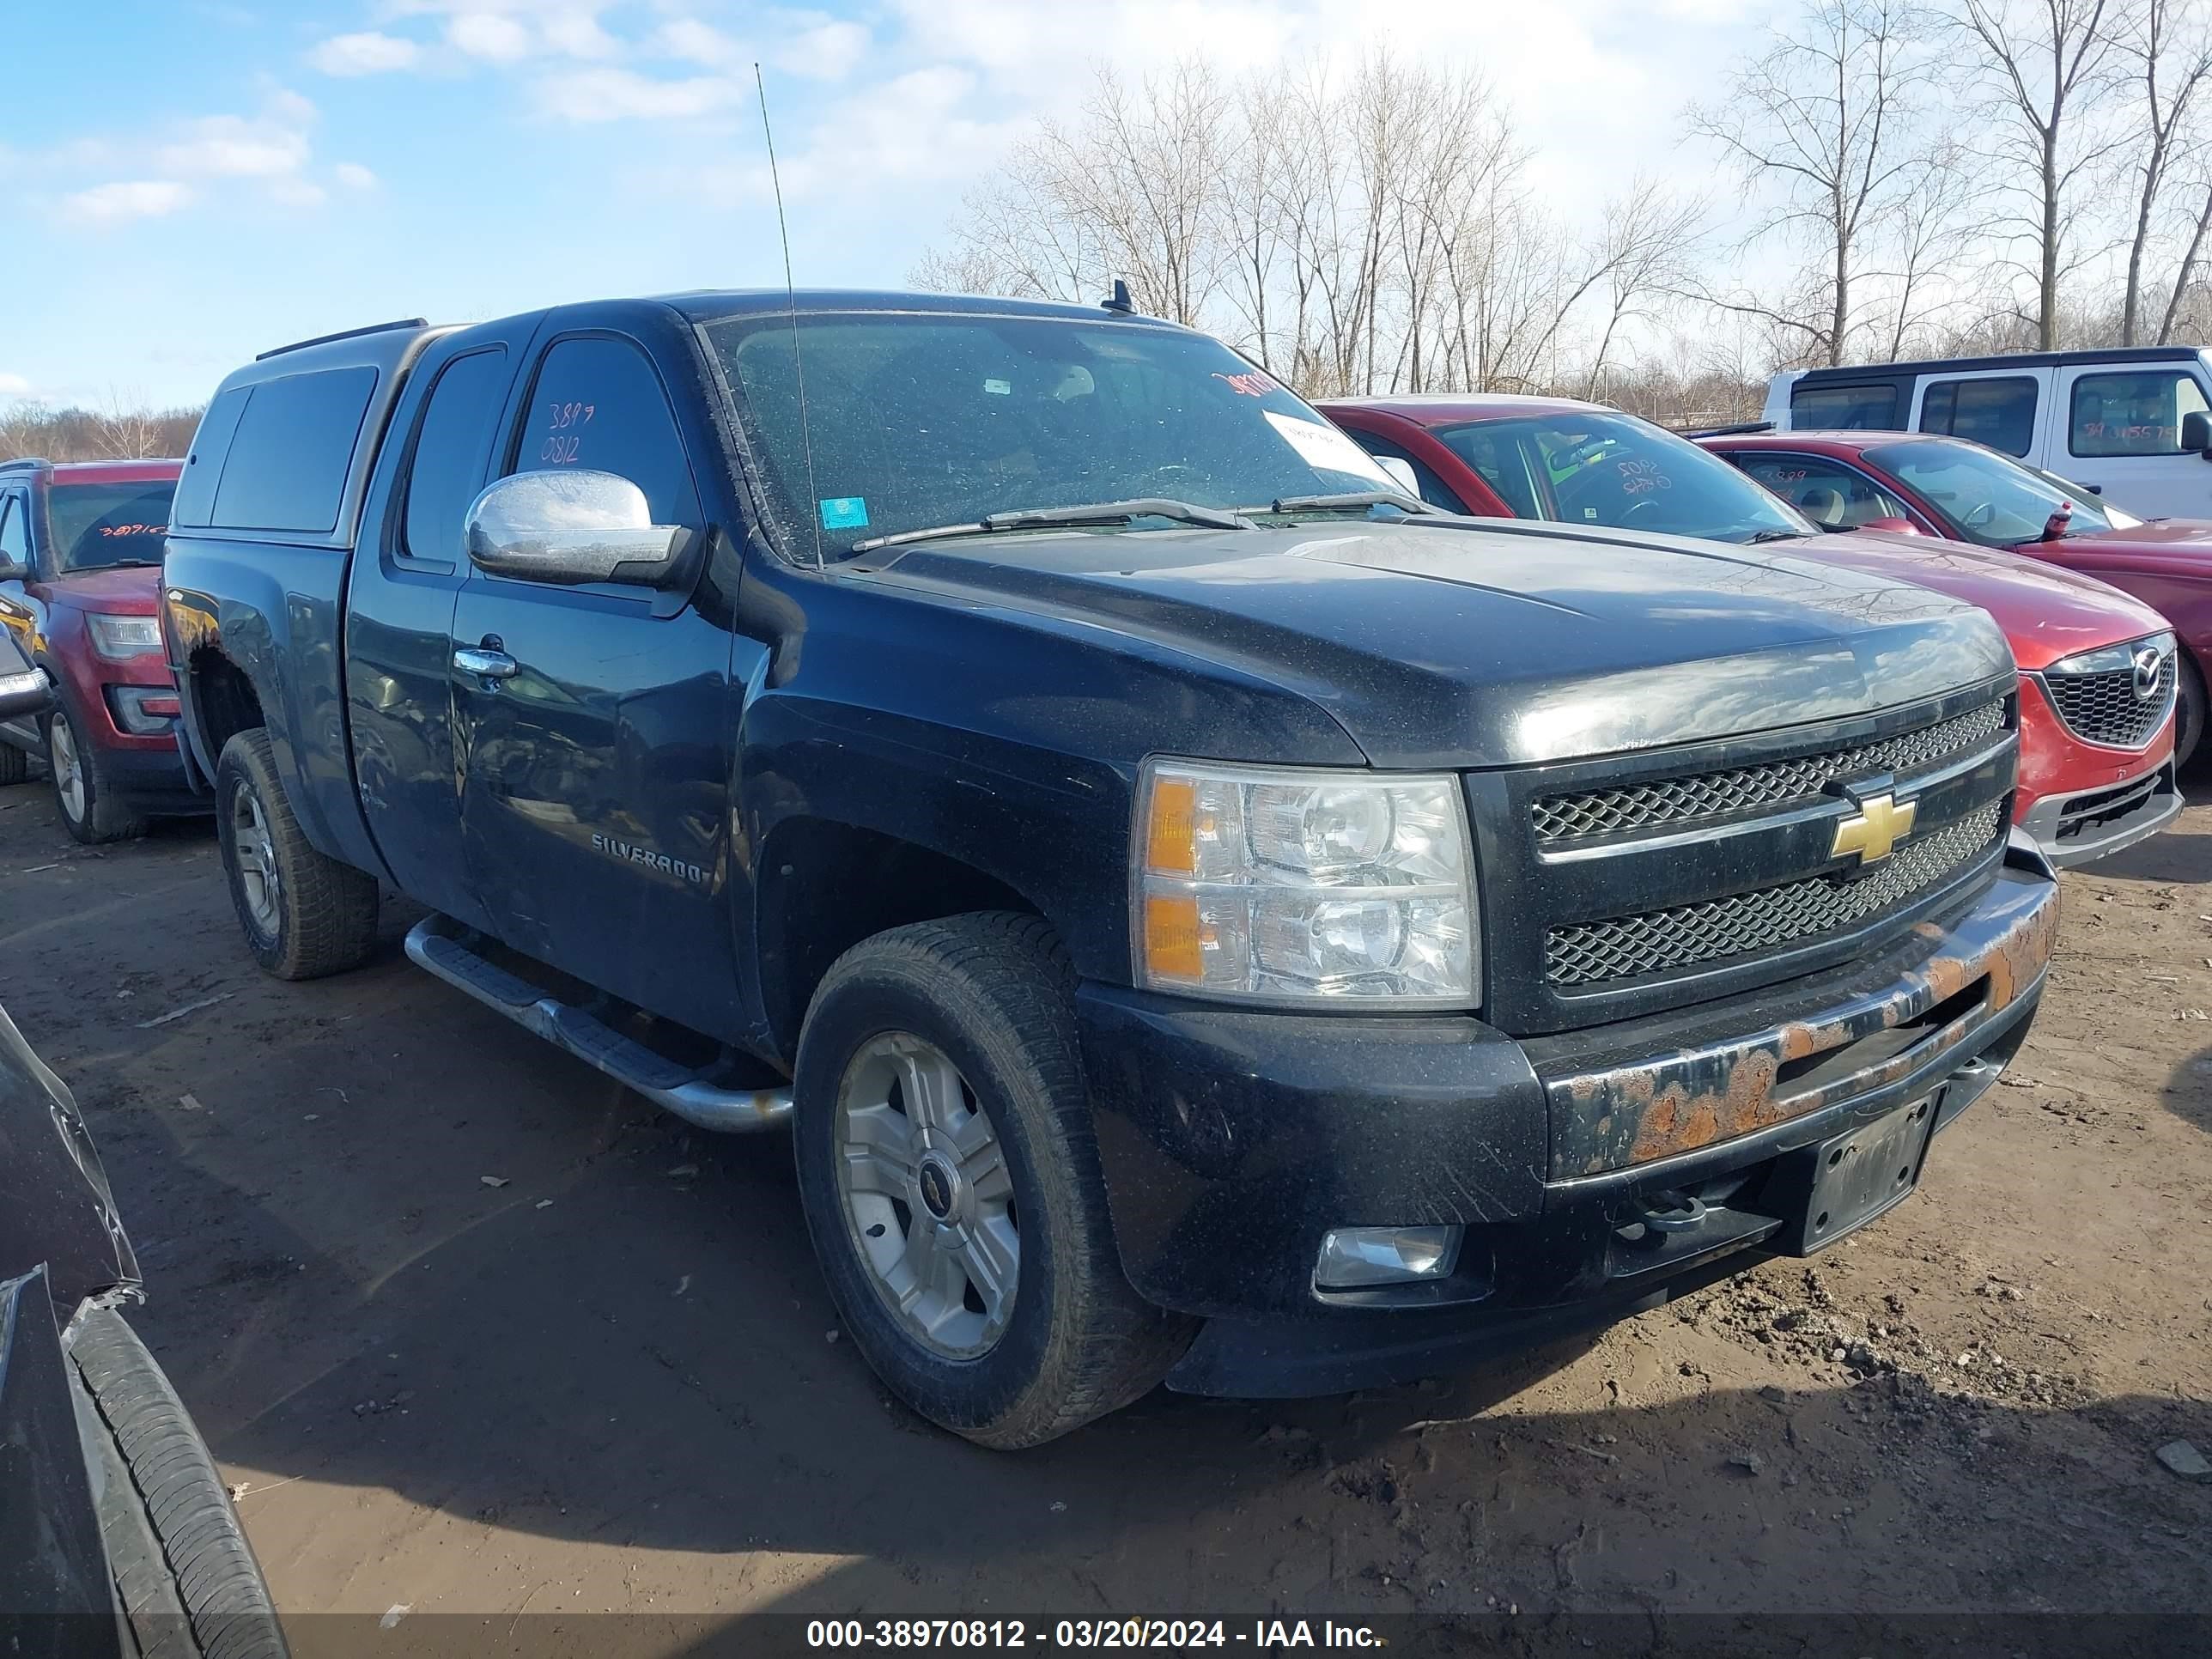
(472, 1330)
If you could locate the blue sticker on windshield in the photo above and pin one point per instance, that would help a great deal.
(845, 513)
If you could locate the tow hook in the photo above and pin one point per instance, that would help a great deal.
(1654, 1217)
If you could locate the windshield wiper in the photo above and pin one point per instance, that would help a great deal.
(1759, 536)
(1361, 499)
(1092, 512)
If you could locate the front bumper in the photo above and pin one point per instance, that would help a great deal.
(1231, 1140)
(2080, 827)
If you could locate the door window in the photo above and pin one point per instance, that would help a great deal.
(1843, 408)
(14, 532)
(1999, 412)
(1830, 494)
(2132, 414)
(450, 446)
(597, 404)
(1434, 490)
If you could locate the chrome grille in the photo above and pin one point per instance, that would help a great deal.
(1588, 953)
(1748, 788)
(2103, 708)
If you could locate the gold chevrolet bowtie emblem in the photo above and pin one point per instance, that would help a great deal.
(1875, 829)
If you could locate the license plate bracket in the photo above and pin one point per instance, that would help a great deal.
(1850, 1179)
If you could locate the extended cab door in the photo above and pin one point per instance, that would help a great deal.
(407, 571)
(2119, 430)
(595, 757)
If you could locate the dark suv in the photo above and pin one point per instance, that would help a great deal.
(80, 586)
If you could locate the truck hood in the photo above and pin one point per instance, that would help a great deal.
(2047, 612)
(125, 590)
(1458, 646)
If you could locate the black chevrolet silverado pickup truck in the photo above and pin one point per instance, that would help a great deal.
(1208, 916)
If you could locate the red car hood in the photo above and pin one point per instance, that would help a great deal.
(2046, 612)
(2182, 545)
(125, 590)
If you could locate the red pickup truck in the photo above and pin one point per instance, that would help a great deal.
(80, 581)
(2099, 673)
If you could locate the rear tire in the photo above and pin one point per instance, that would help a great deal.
(82, 793)
(982, 1005)
(15, 764)
(2188, 713)
(185, 1575)
(305, 916)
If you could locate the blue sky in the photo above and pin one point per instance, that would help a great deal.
(186, 182)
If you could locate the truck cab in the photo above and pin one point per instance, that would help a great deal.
(1200, 914)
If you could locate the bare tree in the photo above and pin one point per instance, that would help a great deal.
(1824, 117)
(2041, 61)
(2171, 82)
(2186, 275)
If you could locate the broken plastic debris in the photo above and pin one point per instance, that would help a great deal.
(492, 1181)
(682, 1170)
(394, 1614)
(221, 996)
(190, 1102)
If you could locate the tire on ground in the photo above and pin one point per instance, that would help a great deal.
(183, 1573)
(993, 992)
(325, 911)
(2188, 714)
(105, 818)
(15, 764)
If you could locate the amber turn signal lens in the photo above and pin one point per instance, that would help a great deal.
(1172, 838)
(1172, 938)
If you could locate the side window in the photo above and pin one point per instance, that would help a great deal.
(294, 446)
(15, 531)
(1831, 495)
(1434, 490)
(1843, 408)
(194, 504)
(597, 404)
(451, 444)
(2133, 414)
(1506, 460)
(1999, 412)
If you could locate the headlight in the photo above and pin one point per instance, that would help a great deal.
(120, 638)
(1302, 885)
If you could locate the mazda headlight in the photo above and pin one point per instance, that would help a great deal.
(118, 639)
(1298, 885)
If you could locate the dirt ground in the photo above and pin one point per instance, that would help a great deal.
(612, 1379)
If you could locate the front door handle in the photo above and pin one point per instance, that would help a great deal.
(484, 664)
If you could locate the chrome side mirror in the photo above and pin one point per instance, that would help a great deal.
(572, 527)
(1401, 473)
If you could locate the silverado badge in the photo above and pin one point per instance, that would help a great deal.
(1881, 823)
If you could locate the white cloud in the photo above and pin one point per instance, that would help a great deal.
(489, 35)
(695, 42)
(126, 199)
(14, 385)
(296, 192)
(578, 34)
(620, 95)
(827, 51)
(354, 176)
(367, 54)
(233, 147)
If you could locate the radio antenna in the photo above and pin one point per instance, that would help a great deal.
(791, 292)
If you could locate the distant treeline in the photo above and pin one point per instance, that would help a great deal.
(94, 434)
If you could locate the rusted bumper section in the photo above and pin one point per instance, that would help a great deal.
(1861, 1039)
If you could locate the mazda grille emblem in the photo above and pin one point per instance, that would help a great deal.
(2150, 664)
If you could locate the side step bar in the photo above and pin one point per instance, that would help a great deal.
(446, 948)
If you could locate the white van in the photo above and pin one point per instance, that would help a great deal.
(2134, 424)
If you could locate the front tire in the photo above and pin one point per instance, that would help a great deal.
(951, 1182)
(82, 793)
(305, 916)
(15, 764)
(2188, 713)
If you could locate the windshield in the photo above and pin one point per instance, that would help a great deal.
(1593, 466)
(923, 420)
(1992, 499)
(98, 526)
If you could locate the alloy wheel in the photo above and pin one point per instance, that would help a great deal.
(258, 877)
(927, 1199)
(68, 766)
